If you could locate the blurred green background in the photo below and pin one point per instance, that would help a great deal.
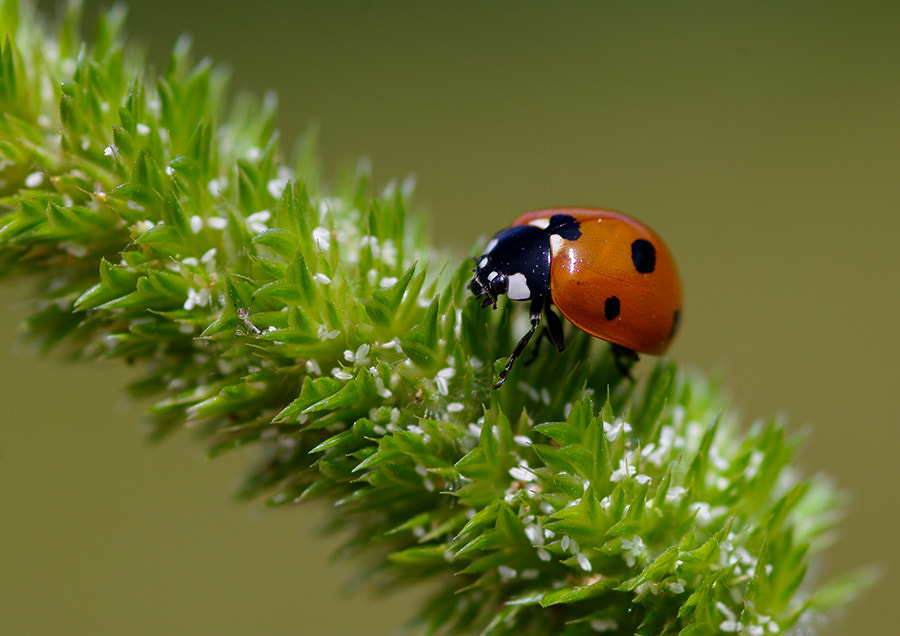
(762, 140)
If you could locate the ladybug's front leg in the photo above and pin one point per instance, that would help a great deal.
(552, 331)
(535, 311)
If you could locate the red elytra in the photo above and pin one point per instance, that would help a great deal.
(600, 265)
(608, 274)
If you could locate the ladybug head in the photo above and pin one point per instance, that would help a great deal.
(488, 282)
(516, 263)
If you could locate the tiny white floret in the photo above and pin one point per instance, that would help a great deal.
(324, 334)
(340, 374)
(196, 298)
(257, 221)
(217, 187)
(275, 187)
(624, 470)
(361, 355)
(604, 625)
(614, 430)
(521, 473)
(75, 249)
(322, 238)
(701, 510)
(312, 367)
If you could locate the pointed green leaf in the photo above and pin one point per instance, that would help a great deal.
(575, 594)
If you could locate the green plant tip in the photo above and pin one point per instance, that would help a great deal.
(162, 225)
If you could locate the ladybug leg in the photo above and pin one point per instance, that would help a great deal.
(552, 331)
(535, 311)
(554, 328)
(537, 345)
(624, 358)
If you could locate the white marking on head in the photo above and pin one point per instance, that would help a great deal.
(542, 223)
(492, 276)
(556, 243)
(482, 263)
(518, 287)
(490, 246)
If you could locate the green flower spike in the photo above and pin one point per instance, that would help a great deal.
(163, 227)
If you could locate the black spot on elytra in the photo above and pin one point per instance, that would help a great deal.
(643, 255)
(565, 226)
(611, 308)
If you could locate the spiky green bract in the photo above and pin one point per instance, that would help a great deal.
(164, 228)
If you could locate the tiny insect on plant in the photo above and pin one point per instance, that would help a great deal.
(609, 275)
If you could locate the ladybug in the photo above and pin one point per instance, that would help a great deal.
(609, 275)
